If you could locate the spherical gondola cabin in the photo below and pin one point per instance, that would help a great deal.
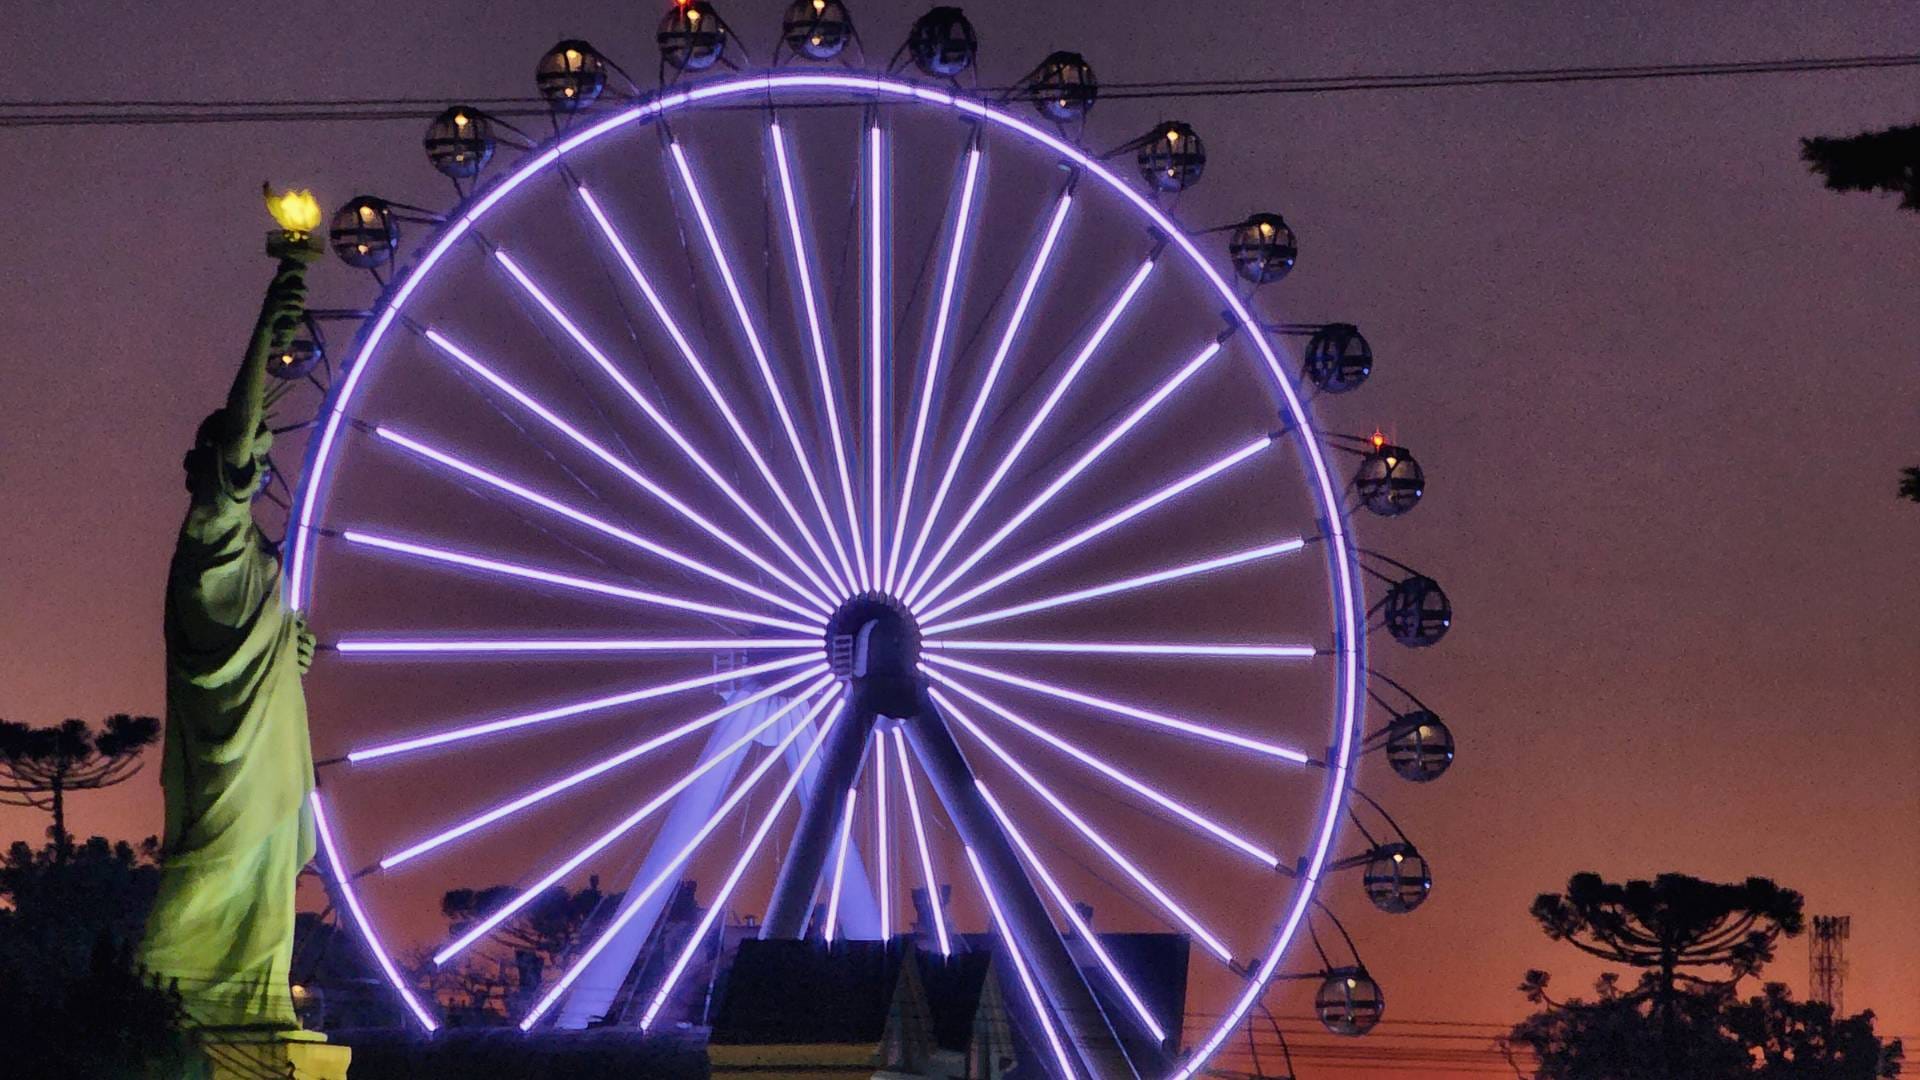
(1063, 87)
(942, 43)
(1418, 613)
(1397, 878)
(364, 232)
(1172, 157)
(1263, 248)
(571, 76)
(1419, 746)
(691, 36)
(1349, 1002)
(459, 142)
(817, 29)
(1389, 481)
(1338, 358)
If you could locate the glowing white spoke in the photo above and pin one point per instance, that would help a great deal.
(1119, 776)
(1111, 521)
(1073, 472)
(1073, 916)
(1039, 418)
(573, 513)
(523, 646)
(1124, 585)
(934, 351)
(840, 864)
(693, 362)
(671, 871)
(920, 838)
(1020, 967)
(877, 339)
(1128, 648)
(987, 384)
(626, 825)
(600, 768)
(880, 855)
(823, 368)
(758, 348)
(698, 939)
(1185, 727)
(1093, 836)
(565, 581)
(521, 720)
(638, 479)
(659, 419)
(344, 884)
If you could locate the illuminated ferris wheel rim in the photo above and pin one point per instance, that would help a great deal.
(1347, 599)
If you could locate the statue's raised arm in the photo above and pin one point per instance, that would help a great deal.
(237, 765)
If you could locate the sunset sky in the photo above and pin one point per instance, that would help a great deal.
(1662, 383)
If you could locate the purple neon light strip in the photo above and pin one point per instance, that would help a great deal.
(510, 723)
(1221, 562)
(1093, 836)
(517, 647)
(637, 478)
(1111, 521)
(573, 513)
(920, 839)
(672, 870)
(823, 368)
(698, 939)
(935, 350)
(626, 825)
(987, 384)
(1073, 916)
(1185, 727)
(565, 581)
(1347, 601)
(344, 882)
(1073, 472)
(1129, 648)
(772, 384)
(881, 857)
(1020, 967)
(599, 768)
(877, 338)
(692, 358)
(1060, 387)
(1119, 776)
(659, 418)
(840, 864)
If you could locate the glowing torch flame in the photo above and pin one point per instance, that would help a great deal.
(295, 210)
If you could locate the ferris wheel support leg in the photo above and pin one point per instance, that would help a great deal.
(791, 906)
(1103, 1052)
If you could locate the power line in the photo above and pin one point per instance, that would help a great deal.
(24, 113)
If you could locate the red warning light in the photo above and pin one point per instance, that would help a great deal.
(1378, 439)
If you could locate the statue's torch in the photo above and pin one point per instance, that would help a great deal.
(297, 213)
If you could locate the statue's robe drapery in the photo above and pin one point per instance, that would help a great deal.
(236, 770)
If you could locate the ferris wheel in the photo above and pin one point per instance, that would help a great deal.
(843, 489)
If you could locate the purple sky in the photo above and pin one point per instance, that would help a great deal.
(1662, 383)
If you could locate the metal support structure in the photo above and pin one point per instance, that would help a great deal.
(1102, 1050)
(791, 905)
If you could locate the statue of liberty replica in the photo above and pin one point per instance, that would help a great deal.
(237, 766)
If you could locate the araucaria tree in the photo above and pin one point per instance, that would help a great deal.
(39, 766)
(1693, 942)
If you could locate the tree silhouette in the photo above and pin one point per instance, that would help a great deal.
(1883, 161)
(39, 766)
(1910, 483)
(1693, 941)
(535, 939)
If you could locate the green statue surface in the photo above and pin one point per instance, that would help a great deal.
(237, 766)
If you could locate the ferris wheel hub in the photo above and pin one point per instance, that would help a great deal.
(873, 642)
